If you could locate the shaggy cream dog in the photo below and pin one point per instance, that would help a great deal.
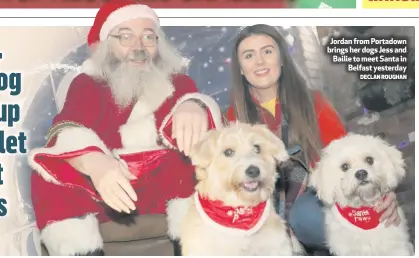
(231, 212)
(354, 174)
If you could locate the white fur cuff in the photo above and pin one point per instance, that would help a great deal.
(177, 209)
(209, 102)
(69, 139)
(73, 236)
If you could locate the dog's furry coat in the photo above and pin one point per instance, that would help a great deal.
(356, 171)
(199, 238)
(223, 177)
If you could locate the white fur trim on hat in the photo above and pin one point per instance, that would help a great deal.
(127, 13)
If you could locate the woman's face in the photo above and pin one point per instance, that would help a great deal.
(259, 60)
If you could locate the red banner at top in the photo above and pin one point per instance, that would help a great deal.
(151, 3)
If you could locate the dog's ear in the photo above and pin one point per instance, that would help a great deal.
(202, 152)
(318, 180)
(396, 168)
(273, 144)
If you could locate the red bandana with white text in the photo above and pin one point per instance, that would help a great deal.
(363, 217)
(244, 218)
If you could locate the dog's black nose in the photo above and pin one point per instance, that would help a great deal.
(252, 171)
(361, 174)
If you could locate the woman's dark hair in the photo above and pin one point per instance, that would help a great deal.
(295, 98)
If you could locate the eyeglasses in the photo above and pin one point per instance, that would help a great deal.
(129, 40)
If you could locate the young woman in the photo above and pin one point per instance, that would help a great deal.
(267, 88)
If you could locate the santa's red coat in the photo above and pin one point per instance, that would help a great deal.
(139, 135)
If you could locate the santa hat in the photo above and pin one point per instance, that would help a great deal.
(115, 12)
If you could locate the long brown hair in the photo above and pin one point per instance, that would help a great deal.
(296, 99)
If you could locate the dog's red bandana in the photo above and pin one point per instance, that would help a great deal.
(241, 218)
(363, 217)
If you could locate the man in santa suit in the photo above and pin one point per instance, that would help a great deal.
(121, 141)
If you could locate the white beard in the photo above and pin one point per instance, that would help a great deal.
(129, 83)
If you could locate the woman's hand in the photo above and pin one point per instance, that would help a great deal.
(390, 214)
(190, 122)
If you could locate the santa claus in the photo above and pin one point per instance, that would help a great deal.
(123, 135)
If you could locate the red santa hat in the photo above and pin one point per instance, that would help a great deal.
(115, 12)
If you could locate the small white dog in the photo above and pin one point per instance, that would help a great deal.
(354, 174)
(231, 212)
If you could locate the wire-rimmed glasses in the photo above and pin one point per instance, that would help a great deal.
(129, 39)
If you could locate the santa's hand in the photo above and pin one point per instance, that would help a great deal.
(114, 187)
(190, 122)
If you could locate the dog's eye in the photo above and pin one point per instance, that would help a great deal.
(229, 153)
(369, 160)
(344, 167)
(256, 148)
